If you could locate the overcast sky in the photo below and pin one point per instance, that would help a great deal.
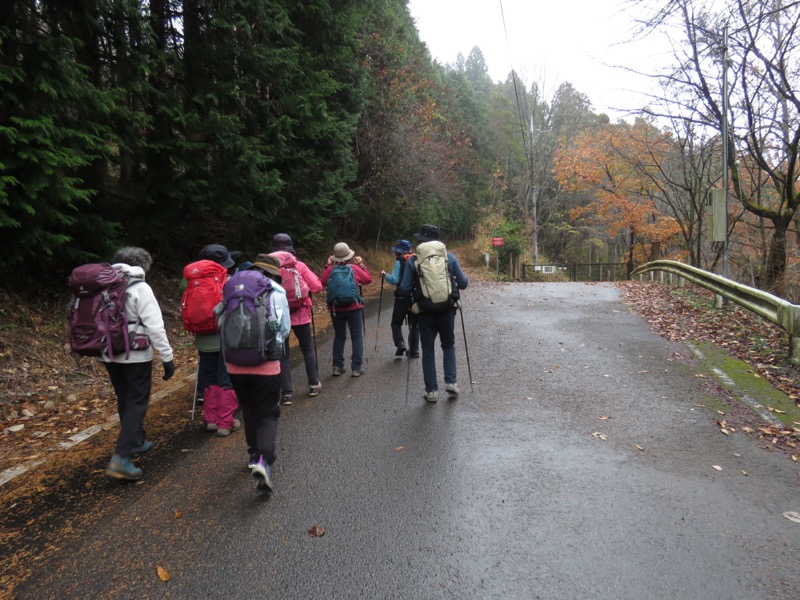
(551, 42)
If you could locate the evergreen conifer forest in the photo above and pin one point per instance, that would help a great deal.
(171, 124)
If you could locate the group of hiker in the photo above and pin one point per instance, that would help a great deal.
(241, 313)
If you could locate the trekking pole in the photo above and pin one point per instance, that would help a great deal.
(196, 381)
(380, 301)
(408, 377)
(363, 321)
(466, 349)
(314, 332)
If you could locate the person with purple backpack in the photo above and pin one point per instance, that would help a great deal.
(254, 326)
(131, 372)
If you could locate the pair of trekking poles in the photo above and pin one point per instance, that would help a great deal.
(408, 366)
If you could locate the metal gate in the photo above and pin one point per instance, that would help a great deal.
(575, 272)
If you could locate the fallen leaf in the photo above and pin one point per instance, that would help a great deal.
(792, 516)
(163, 575)
(725, 431)
(743, 472)
(717, 467)
(603, 418)
(177, 513)
(316, 531)
(400, 448)
(601, 436)
(638, 447)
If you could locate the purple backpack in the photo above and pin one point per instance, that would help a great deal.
(247, 330)
(98, 322)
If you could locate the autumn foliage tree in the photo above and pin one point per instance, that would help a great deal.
(610, 164)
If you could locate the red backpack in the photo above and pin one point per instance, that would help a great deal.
(204, 281)
(296, 287)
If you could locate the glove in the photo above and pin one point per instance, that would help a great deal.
(169, 369)
(357, 260)
(383, 274)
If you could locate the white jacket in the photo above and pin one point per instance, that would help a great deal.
(144, 316)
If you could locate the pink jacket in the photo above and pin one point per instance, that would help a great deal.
(289, 261)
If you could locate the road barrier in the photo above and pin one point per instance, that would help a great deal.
(781, 312)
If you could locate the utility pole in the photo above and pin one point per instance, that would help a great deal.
(534, 215)
(725, 144)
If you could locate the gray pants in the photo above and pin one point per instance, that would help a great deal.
(305, 340)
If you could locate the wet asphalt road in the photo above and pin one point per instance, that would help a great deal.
(509, 492)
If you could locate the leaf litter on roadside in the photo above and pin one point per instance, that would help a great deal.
(688, 314)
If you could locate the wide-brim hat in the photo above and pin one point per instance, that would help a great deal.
(282, 242)
(269, 264)
(342, 252)
(219, 254)
(427, 233)
(402, 246)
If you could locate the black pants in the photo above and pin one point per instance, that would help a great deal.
(131, 382)
(259, 398)
(399, 312)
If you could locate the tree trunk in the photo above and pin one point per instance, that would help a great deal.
(776, 257)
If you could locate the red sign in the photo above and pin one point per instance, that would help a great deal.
(498, 241)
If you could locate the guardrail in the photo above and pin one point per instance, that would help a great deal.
(782, 313)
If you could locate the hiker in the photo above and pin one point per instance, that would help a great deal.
(300, 283)
(131, 374)
(205, 279)
(400, 311)
(343, 277)
(431, 281)
(257, 384)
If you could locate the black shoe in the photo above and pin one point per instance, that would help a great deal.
(400, 351)
(414, 354)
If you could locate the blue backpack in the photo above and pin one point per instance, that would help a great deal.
(342, 286)
(247, 329)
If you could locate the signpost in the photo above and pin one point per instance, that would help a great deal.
(497, 242)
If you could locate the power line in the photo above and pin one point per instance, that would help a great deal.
(520, 112)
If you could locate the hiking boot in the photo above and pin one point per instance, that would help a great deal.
(252, 460)
(451, 389)
(123, 468)
(211, 427)
(143, 449)
(315, 389)
(221, 432)
(430, 396)
(414, 354)
(262, 474)
(338, 371)
(286, 399)
(401, 350)
(358, 372)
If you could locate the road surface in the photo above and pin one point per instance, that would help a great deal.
(579, 464)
